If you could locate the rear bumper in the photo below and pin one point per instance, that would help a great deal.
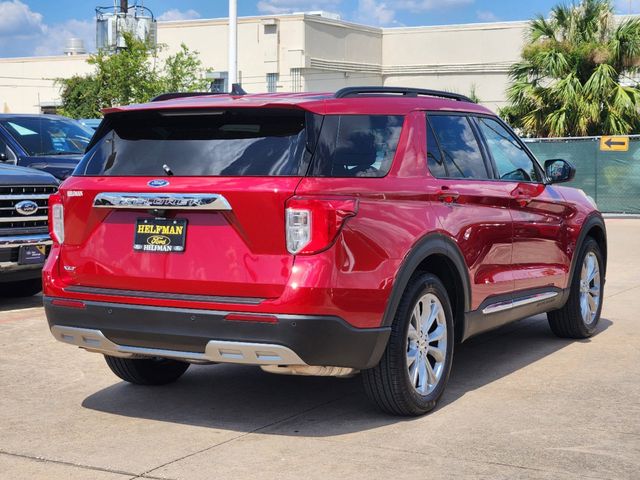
(205, 335)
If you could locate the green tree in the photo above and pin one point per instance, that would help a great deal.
(576, 74)
(133, 75)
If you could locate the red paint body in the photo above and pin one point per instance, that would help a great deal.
(512, 236)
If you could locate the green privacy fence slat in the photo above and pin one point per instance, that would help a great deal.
(611, 178)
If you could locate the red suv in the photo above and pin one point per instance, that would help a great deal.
(367, 231)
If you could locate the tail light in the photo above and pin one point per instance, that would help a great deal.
(312, 224)
(56, 218)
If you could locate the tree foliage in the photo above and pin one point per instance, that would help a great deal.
(576, 74)
(133, 75)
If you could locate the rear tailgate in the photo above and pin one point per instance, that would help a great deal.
(216, 188)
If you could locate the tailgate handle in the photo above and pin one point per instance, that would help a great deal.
(161, 201)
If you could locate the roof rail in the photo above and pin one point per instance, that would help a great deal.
(406, 92)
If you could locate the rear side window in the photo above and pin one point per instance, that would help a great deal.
(356, 145)
(461, 155)
(233, 142)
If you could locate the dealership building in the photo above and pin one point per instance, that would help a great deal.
(306, 52)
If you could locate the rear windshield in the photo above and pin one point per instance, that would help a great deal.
(243, 142)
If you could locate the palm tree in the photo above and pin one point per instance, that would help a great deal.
(577, 74)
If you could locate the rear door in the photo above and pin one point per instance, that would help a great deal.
(538, 211)
(187, 203)
(473, 205)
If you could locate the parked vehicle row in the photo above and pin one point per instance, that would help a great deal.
(318, 234)
(51, 143)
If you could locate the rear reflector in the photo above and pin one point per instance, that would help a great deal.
(68, 303)
(242, 317)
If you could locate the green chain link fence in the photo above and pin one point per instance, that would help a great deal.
(612, 179)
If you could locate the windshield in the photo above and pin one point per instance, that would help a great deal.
(42, 135)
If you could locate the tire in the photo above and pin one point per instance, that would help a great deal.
(23, 288)
(570, 321)
(146, 371)
(393, 385)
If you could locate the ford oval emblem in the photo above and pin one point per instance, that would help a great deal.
(158, 183)
(26, 207)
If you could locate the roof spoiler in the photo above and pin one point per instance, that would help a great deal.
(236, 91)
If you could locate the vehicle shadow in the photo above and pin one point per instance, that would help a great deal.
(14, 303)
(245, 399)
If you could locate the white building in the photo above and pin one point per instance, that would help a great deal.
(307, 52)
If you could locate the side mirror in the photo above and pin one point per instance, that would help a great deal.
(559, 171)
(3, 157)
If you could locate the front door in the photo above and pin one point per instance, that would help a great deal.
(538, 211)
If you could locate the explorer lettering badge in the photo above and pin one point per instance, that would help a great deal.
(160, 235)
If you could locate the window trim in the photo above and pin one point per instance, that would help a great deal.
(488, 164)
(519, 141)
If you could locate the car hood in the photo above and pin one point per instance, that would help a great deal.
(60, 166)
(12, 175)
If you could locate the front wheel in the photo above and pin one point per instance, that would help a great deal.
(415, 366)
(147, 371)
(580, 315)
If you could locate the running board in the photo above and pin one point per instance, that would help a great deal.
(520, 302)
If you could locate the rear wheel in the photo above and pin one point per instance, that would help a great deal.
(23, 288)
(580, 315)
(146, 371)
(415, 366)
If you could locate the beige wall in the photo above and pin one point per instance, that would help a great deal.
(454, 58)
(28, 83)
(310, 53)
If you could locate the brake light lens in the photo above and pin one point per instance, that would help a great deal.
(56, 218)
(312, 224)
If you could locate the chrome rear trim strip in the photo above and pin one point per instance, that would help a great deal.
(217, 351)
(164, 201)
(165, 295)
(520, 302)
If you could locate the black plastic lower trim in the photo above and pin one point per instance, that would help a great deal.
(20, 274)
(318, 340)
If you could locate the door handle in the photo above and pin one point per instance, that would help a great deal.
(447, 196)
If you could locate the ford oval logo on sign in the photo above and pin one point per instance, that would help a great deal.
(26, 207)
(158, 183)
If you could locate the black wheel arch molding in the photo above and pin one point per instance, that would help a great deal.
(431, 244)
(594, 219)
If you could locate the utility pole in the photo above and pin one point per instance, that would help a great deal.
(124, 6)
(233, 42)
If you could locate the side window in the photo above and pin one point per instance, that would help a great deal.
(512, 161)
(460, 151)
(434, 155)
(356, 145)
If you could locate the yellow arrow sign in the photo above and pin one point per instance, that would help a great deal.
(614, 144)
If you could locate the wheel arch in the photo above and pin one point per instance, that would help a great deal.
(593, 227)
(437, 254)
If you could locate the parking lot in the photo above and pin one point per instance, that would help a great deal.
(521, 403)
